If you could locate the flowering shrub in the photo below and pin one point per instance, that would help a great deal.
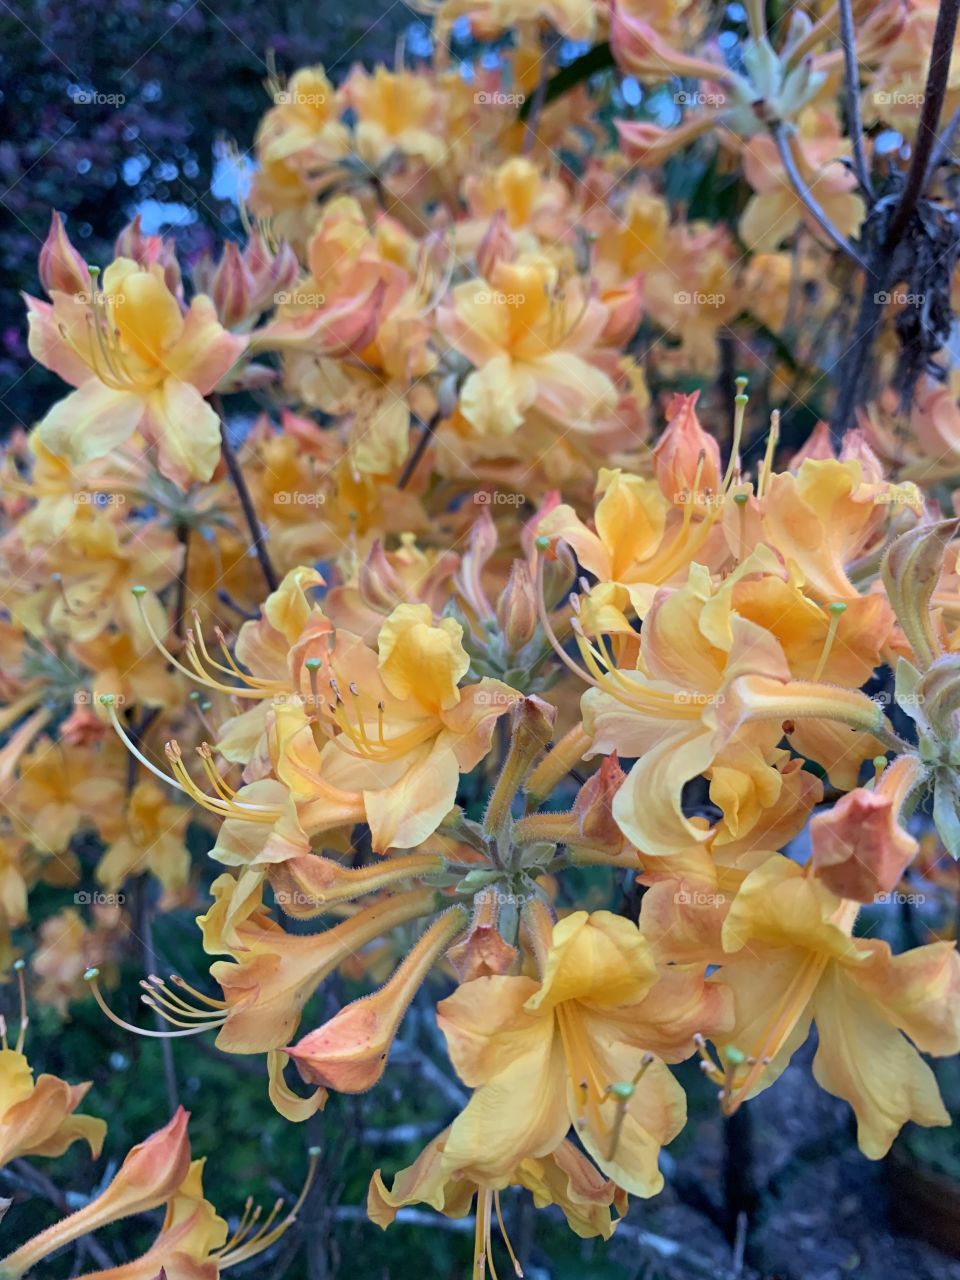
(422, 565)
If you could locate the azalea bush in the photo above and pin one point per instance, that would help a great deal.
(493, 627)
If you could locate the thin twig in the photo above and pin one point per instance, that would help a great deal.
(426, 435)
(852, 88)
(933, 95)
(246, 502)
(807, 197)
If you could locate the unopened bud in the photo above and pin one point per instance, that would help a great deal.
(61, 266)
(517, 607)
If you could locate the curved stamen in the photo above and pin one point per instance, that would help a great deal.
(92, 975)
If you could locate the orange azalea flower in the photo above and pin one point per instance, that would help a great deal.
(576, 1048)
(791, 960)
(139, 365)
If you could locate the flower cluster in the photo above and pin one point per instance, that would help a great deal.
(422, 551)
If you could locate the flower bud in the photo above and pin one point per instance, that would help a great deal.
(517, 607)
(686, 459)
(379, 582)
(232, 287)
(150, 1175)
(859, 848)
(61, 266)
(496, 245)
(349, 1053)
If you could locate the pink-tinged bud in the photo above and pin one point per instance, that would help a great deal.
(648, 146)
(469, 579)
(61, 267)
(517, 607)
(856, 448)
(83, 727)
(624, 312)
(150, 1175)
(593, 807)
(379, 582)
(484, 952)
(640, 50)
(496, 246)
(859, 848)
(349, 1053)
(686, 459)
(233, 287)
(817, 447)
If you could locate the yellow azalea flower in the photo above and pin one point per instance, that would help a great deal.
(530, 342)
(825, 517)
(575, 1049)
(392, 726)
(37, 1118)
(564, 1177)
(791, 960)
(775, 211)
(62, 789)
(302, 127)
(396, 112)
(708, 695)
(153, 841)
(274, 973)
(139, 365)
(98, 568)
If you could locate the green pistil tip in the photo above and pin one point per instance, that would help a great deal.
(139, 591)
(542, 543)
(194, 695)
(313, 664)
(837, 607)
(741, 399)
(94, 270)
(18, 965)
(106, 699)
(741, 499)
(206, 704)
(623, 1090)
(91, 974)
(313, 1152)
(879, 762)
(734, 1056)
(741, 382)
